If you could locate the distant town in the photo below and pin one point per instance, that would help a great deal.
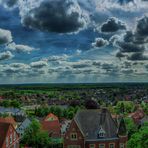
(74, 115)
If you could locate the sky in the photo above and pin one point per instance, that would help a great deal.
(73, 41)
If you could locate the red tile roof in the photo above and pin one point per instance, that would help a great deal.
(138, 115)
(8, 120)
(50, 117)
(51, 124)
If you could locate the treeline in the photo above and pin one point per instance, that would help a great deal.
(58, 111)
(10, 103)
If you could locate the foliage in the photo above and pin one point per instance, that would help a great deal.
(58, 111)
(124, 107)
(35, 137)
(145, 107)
(131, 126)
(140, 138)
(91, 104)
(10, 103)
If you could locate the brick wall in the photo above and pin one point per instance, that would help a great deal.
(67, 138)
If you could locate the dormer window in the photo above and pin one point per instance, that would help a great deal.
(101, 133)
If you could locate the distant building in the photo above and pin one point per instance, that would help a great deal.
(23, 126)
(95, 129)
(137, 116)
(8, 136)
(12, 111)
(51, 124)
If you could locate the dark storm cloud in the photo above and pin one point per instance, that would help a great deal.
(113, 25)
(142, 26)
(61, 16)
(130, 47)
(137, 57)
(100, 42)
(134, 42)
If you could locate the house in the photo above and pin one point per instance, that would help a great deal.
(8, 120)
(12, 111)
(1, 98)
(51, 124)
(137, 116)
(95, 129)
(23, 126)
(8, 136)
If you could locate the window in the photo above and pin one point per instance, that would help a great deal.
(101, 133)
(121, 145)
(7, 142)
(111, 145)
(74, 146)
(101, 145)
(14, 135)
(11, 139)
(92, 146)
(73, 136)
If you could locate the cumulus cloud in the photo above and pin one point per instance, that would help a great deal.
(113, 25)
(133, 44)
(124, 2)
(6, 55)
(20, 48)
(9, 3)
(142, 26)
(137, 57)
(100, 42)
(5, 36)
(61, 16)
(57, 58)
(38, 64)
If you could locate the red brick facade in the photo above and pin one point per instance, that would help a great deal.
(81, 142)
(11, 139)
(68, 141)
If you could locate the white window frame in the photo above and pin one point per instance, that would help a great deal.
(7, 141)
(102, 145)
(113, 144)
(122, 145)
(73, 136)
(11, 139)
(14, 135)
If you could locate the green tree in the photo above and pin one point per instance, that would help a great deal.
(140, 138)
(15, 103)
(131, 127)
(35, 137)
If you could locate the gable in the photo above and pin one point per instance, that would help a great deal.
(73, 128)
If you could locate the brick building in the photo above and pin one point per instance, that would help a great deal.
(8, 136)
(95, 129)
(51, 124)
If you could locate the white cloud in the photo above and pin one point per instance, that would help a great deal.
(38, 64)
(20, 48)
(6, 55)
(5, 36)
